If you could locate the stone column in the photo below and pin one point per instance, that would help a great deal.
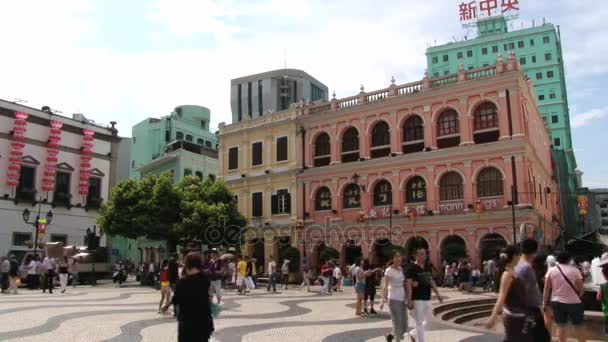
(335, 145)
(244, 164)
(432, 195)
(503, 118)
(468, 189)
(364, 151)
(429, 129)
(268, 147)
(394, 132)
(465, 122)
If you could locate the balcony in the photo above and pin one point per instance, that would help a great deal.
(190, 147)
(62, 199)
(25, 195)
(93, 203)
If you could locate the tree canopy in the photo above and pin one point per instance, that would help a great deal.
(193, 210)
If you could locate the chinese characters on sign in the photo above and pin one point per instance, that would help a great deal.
(471, 11)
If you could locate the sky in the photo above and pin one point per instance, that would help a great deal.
(126, 61)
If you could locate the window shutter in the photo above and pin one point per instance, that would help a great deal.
(274, 204)
(288, 203)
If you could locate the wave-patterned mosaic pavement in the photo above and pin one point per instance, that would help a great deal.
(107, 313)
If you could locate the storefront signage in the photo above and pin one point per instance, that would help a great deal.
(469, 11)
(451, 207)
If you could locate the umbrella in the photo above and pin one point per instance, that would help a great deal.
(227, 256)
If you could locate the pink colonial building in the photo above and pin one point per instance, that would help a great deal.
(429, 164)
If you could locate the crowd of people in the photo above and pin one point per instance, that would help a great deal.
(42, 273)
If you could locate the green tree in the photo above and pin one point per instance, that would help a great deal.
(209, 213)
(146, 208)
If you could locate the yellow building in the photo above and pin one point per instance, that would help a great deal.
(258, 161)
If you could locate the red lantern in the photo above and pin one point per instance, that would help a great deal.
(20, 122)
(19, 129)
(16, 153)
(12, 175)
(11, 182)
(52, 152)
(14, 167)
(56, 124)
(56, 131)
(21, 115)
(50, 167)
(88, 138)
(14, 159)
(17, 145)
(51, 159)
(85, 165)
(18, 137)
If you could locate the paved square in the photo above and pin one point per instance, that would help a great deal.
(107, 313)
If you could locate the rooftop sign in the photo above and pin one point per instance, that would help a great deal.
(472, 11)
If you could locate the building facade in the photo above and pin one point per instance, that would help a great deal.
(151, 137)
(180, 144)
(53, 163)
(258, 162)
(539, 52)
(273, 91)
(428, 164)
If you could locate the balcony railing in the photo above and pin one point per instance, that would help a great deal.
(94, 203)
(190, 147)
(61, 199)
(426, 83)
(25, 195)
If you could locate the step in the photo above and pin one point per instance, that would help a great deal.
(462, 304)
(473, 316)
(448, 316)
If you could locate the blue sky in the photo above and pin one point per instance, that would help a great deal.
(128, 60)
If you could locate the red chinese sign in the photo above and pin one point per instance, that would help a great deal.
(481, 9)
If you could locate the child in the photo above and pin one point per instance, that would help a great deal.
(602, 296)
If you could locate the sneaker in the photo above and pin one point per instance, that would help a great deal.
(372, 311)
(365, 312)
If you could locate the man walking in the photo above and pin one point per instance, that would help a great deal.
(419, 282)
(5, 267)
(525, 272)
(48, 267)
(272, 275)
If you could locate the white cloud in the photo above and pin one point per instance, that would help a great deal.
(588, 117)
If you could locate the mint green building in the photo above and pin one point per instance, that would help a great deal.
(179, 143)
(539, 52)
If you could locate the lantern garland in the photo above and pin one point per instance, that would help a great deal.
(16, 149)
(52, 150)
(86, 155)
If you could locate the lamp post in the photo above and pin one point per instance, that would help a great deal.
(92, 242)
(38, 224)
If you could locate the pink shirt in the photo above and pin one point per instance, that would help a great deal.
(561, 291)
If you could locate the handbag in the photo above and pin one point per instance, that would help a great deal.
(569, 282)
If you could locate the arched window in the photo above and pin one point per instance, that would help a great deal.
(323, 199)
(489, 183)
(322, 150)
(486, 123)
(381, 140)
(382, 193)
(413, 135)
(450, 187)
(448, 129)
(415, 190)
(351, 197)
(189, 137)
(350, 145)
(179, 136)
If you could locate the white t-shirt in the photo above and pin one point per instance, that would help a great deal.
(337, 273)
(395, 285)
(272, 267)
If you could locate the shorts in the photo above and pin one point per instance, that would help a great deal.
(216, 285)
(164, 284)
(360, 288)
(562, 313)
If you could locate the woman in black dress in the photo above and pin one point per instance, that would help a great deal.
(192, 295)
(511, 301)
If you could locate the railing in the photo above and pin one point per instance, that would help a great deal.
(348, 102)
(320, 108)
(377, 95)
(409, 88)
(442, 81)
(481, 73)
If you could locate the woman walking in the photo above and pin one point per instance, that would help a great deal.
(63, 274)
(393, 291)
(564, 286)
(165, 288)
(193, 296)
(512, 301)
(370, 289)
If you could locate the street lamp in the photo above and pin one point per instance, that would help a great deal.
(38, 223)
